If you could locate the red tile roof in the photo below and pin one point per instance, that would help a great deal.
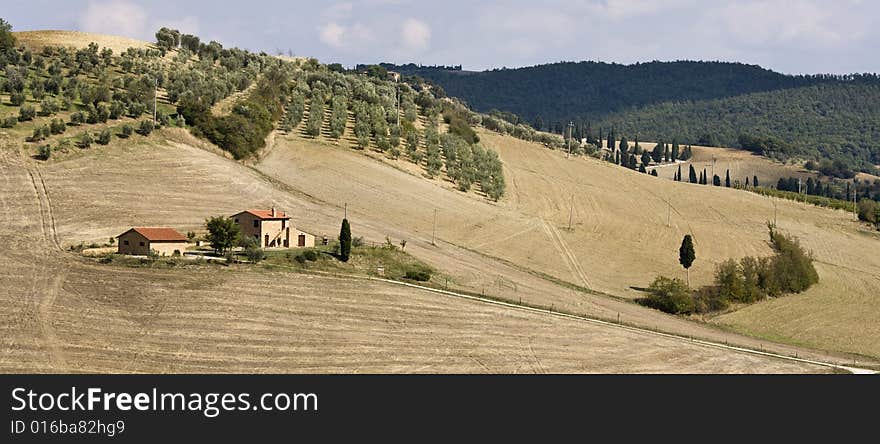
(266, 214)
(158, 234)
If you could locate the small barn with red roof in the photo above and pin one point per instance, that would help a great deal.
(139, 241)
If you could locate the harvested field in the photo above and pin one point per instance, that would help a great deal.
(65, 314)
(36, 40)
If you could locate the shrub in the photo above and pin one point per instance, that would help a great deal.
(670, 295)
(45, 152)
(126, 131)
(17, 98)
(26, 113)
(145, 127)
(8, 122)
(86, 140)
(77, 118)
(103, 137)
(57, 126)
(418, 273)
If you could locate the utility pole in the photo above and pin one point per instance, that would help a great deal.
(398, 102)
(345, 211)
(155, 99)
(570, 125)
(434, 230)
(570, 212)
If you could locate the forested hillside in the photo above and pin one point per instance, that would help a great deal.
(554, 93)
(833, 121)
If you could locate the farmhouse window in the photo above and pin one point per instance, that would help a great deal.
(142, 244)
(125, 242)
(256, 224)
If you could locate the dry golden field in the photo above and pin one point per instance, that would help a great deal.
(62, 313)
(36, 40)
(619, 238)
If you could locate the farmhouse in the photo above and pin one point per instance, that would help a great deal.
(141, 240)
(272, 229)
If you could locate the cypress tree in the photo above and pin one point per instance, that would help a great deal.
(624, 145)
(654, 172)
(642, 169)
(716, 180)
(727, 179)
(747, 181)
(705, 177)
(344, 241)
(675, 150)
(692, 178)
(687, 255)
(754, 181)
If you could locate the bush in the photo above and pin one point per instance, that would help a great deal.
(45, 152)
(670, 295)
(77, 118)
(126, 131)
(57, 126)
(103, 137)
(145, 127)
(17, 98)
(8, 122)
(86, 140)
(26, 113)
(418, 273)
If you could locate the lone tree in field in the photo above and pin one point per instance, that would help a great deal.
(344, 241)
(223, 233)
(686, 255)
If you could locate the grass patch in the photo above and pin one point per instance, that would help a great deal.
(384, 261)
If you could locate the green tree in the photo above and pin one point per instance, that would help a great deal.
(223, 233)
(687, 255)
(7, 40)
(670, 295)
(727, 180)
(692, 178)
(344, 241)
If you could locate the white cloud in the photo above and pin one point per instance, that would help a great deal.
(416, 35)
(332, 34)
(115, 18)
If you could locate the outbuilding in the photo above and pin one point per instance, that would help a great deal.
(139, 241)
(272, 229)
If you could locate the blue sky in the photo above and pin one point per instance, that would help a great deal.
(806, 36)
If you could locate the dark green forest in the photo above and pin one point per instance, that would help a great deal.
(708, 103)
(559, 92)
(834, 121)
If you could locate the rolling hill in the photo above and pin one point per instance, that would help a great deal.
(830, 117)
(62, 312)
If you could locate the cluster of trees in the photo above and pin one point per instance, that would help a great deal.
(564, 91)
(751, 279)
(243, 131)
(836, 121)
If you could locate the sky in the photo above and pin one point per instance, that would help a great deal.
(790, 36)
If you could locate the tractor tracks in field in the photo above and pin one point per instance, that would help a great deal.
(566, 253)
(50, 270)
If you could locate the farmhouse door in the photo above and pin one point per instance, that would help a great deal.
(301, 240)
(267, 240)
